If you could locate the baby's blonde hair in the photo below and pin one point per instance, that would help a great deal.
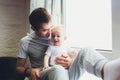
(60, 28)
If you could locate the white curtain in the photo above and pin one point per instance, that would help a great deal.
(57, 10)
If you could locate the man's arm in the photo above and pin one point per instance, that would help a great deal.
(20, 66)
(32, 72)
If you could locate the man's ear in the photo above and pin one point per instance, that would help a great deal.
(33, 28)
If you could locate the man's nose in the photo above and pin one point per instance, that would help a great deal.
(49, 32)
(55, 37)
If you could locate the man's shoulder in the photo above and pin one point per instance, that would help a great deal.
(25, 38)
(28, 36)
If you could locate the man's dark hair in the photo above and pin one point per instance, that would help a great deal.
(38, 17)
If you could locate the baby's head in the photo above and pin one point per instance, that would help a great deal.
(58, 35)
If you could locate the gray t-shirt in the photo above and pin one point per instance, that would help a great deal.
(33, 47)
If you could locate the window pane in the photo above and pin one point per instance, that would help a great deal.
(88, 23)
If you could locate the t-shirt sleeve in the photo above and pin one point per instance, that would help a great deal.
(22, 49)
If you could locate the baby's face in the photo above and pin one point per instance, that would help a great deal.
(58, 37)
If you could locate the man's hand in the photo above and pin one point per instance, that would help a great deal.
(35, 73)
(63, 60)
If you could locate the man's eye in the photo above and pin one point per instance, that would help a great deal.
(53, 36)
(44, 30)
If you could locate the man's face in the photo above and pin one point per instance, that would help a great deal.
(44, 31)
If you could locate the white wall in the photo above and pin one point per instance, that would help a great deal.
(116, 26)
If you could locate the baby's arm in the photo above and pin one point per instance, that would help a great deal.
(46, 61)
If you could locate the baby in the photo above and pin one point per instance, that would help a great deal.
(58, 46)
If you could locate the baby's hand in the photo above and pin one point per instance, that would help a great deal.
(46, 66)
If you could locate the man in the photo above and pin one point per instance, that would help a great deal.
(34, 47)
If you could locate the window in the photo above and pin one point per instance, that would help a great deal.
(88, 23)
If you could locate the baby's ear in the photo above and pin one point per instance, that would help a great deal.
(65, 38)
